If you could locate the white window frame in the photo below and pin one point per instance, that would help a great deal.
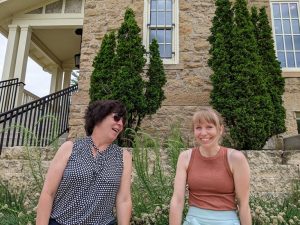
(284, 69)
(175, 29)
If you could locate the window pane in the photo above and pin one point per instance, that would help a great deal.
(281, 58)
(288, 42)
(287, 26)
(160, 36)
(153, 18)
(298, 59)
(168, 18)
(152, 34)
(290, 59)
(294, 11)
(168, 5)
(54, 7)
(279, 42)
(161, 5)
(298, 125)
(276, 10)
(160, 18)
(73, 6)
(161, 51)
(278, 28)
(168, 36)
(297, 42)
(295, 25)
(168, 52)
(153, 5)
(285, 10)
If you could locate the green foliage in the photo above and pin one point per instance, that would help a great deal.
(153, 184)
(157, 79)
(220, 61)
(104, 70)
(271, 69)
(118, 71)
(241, 90)
(14, 206)
(276, 210)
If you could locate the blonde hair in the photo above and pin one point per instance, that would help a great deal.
(209, 115)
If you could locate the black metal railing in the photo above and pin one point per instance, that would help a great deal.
(8, 94)
(37, 123)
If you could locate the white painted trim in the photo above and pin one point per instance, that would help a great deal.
(50, 22)
(284, 69)
(11, 52)
(175, 33)
(63, 7)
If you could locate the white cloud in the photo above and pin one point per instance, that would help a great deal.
(37, 81)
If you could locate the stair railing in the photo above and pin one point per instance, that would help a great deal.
(37, 123)
(8, 94)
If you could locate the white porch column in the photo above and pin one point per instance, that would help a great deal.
(11, 52)
(22, 57)
(56, 79)
(67, 78)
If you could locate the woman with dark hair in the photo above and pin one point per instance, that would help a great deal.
(88, 178)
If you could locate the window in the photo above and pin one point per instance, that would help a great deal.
(298, 121)
(286, 30)
(161, 23)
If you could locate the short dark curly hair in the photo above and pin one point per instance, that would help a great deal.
(98, 110)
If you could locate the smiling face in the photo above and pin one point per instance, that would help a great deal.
(208, 127)
(207, 134)
(110, 127)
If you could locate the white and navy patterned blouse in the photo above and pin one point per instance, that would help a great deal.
(87, 192)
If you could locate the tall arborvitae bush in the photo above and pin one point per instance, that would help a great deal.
(104, 70)
(220, 60)
(118, 74)
(240, 89)
(157, 79)
(252, 105)
(271, 68)
(129, 61)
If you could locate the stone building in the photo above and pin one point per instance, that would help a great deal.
(188, 85)
(46, 32)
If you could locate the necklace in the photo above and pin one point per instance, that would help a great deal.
(94, 146)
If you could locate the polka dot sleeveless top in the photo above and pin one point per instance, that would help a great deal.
(87, 192)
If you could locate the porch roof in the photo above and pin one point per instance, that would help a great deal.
(53, 41)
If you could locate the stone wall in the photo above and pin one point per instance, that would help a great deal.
(188, 84)
(271, 171)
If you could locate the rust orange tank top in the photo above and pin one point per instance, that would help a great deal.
(210, 181)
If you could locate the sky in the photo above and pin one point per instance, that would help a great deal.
(37, 81)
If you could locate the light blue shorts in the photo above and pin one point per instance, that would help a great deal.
(197, 216)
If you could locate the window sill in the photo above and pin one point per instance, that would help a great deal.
(290, 74)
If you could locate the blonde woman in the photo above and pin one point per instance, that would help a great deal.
(217, 178)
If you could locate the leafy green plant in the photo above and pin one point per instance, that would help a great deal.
(119, 74)
(240, 87)
(15, 206)
(153, 183)
(271, 68)
(277, 210)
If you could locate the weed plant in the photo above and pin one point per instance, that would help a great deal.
(14, 206)
(18, 206)
(153, 181)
